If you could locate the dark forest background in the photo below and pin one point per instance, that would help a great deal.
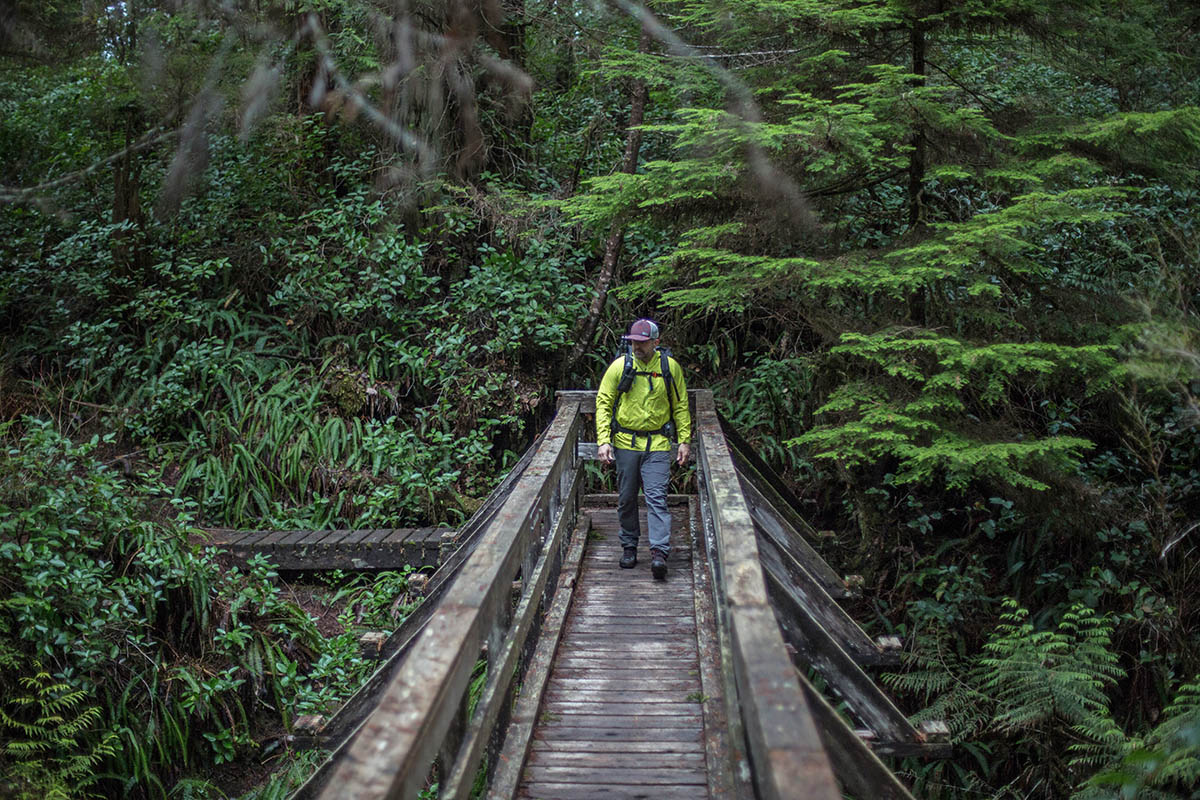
(323, 263)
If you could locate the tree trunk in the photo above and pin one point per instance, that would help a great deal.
(916, 163)
(916, 168)
(616, 234)
(127, 196)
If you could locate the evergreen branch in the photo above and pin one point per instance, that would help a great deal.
(745, 111)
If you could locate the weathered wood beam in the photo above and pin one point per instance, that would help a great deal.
(809, 597)
(817, 648)
(502, 670)
(506, 773)
(859, 769)
(777, 526)
(726, 686)
(935, 743)
(786, 749)
(719, 752)
(391, 755)
(365, 549)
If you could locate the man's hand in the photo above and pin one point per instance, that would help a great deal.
(604, 454)
(681, 457)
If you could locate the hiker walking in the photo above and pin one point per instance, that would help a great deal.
(641, 408)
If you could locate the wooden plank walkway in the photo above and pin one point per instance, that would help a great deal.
(380, 548)
(624, 713)
(603, 683)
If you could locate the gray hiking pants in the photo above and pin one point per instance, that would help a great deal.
(650, 472)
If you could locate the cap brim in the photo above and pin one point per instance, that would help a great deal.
(636, 337)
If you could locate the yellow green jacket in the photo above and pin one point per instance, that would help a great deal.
(644, 407)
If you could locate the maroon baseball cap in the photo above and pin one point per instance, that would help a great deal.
(642, 331)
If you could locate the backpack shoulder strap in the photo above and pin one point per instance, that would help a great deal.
(664, 361)
(664, 355)
(622, 388)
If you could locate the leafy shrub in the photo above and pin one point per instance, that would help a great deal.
(126, 646)
(523, 300)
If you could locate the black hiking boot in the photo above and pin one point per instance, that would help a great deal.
(629, 558)
(658, 564)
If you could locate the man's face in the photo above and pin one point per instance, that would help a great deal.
(643, 350)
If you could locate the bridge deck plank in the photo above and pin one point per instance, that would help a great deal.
(376, 537)
(622, 713)
(248, 539)
(399, 536)
(268, 541)
(587, 791)
(313, 538)
(366, 548)
(584, 758)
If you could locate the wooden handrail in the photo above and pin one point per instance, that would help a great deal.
(392, 754)
(587, 399)
(339, 731)
(786, 749)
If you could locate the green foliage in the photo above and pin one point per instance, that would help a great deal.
(346, 268)
(59, 118)
(1059, 677)
(524, 301)
(126, 647)
(911, 275)
(1163, 142)
(1165, 764)
(331, 394)
(886, 418)
(284, 355)
(51, 746)
(1027, 689)
(937, 263)
(765, 395)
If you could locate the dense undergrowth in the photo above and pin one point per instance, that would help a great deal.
(134, 655)
(333, 382)
(272, 269)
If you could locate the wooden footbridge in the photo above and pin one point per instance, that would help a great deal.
(603, 683)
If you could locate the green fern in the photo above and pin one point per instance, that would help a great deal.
(1165, 764)
(939, 677)
(1054, 680)
(1022, 697)
(50, 741)
(1037, 676)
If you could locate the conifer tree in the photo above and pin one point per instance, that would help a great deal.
(942, 306)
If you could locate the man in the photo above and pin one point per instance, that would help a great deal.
(640, 440)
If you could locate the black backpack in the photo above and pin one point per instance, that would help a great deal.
(626, 383)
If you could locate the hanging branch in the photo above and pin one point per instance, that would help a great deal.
(29, 194)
